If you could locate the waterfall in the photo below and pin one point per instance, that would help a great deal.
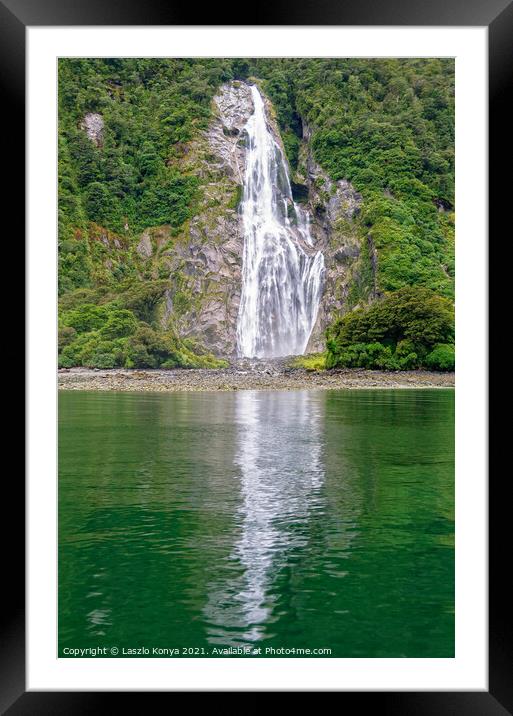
(282, 274)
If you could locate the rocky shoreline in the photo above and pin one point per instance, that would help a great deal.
(246, 375)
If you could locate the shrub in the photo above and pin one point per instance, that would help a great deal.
(311, 361)
(103, 360)
(442, 357)
(65, 362)
(406, 354)
(100, 205)
(120, 323)
(85, 318)
(143, 297)
(364, 355)
(146, 349)
(66, 336)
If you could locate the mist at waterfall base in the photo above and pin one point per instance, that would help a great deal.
(282, 274)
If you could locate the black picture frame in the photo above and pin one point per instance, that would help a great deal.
(497, 15)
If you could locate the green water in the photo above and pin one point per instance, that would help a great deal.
(295, 520)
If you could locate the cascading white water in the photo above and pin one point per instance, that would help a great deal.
(281, 274)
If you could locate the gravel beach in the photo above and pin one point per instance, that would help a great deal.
(246, 375)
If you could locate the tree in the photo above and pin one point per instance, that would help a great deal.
(409, 323)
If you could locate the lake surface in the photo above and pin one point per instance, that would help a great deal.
(295, 520)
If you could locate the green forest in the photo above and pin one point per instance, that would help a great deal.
(385, 125)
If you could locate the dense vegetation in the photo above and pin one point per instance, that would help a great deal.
(150, 108)
(386, 125)
(409, 328)
(109, 192)
(99, 329)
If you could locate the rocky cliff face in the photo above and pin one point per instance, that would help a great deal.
(208, 258)
(333, 206)
(211, 255)
(204, 262)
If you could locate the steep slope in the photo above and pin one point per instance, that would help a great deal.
(151, 165)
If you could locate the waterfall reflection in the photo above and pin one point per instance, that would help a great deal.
(279, 456)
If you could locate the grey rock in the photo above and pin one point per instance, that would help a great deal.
(225, 135)
(346, 252)
(211, 257)
(346, 201)
(93, 124)
(144, 247)
(168, 309)
(235, 105)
